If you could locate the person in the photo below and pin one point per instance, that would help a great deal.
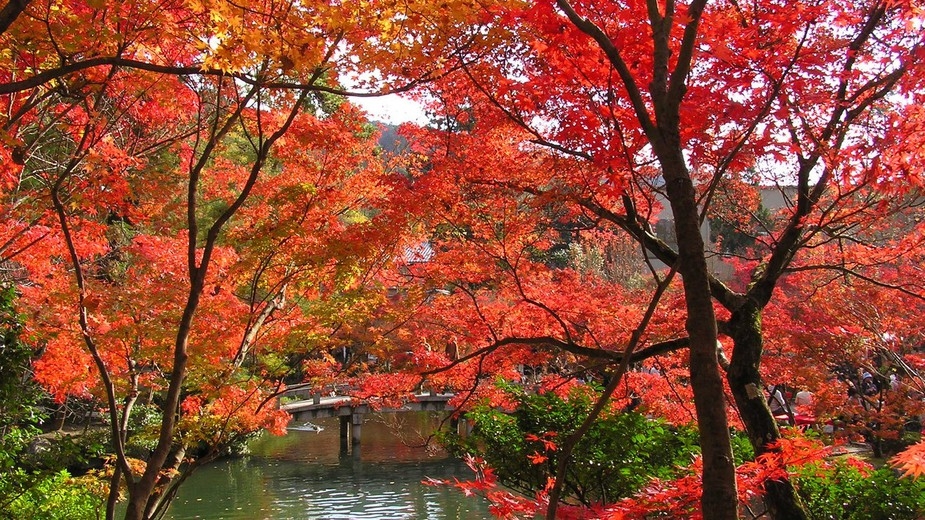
(894, 382)
(776, 402)
(868, 385)
(803, 398)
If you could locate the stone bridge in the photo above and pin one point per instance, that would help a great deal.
(352, 412)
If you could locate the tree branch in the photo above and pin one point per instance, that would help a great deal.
(11, 12)
(613, 55)
(196, 70)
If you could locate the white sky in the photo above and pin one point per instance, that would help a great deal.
(391, 109)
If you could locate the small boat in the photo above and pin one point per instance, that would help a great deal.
(306, 427)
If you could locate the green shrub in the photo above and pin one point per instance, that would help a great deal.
(619, 454)
(30, 489)
(54, 497)
(19, 394)
(844, 490)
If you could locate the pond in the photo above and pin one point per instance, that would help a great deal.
(305, 475)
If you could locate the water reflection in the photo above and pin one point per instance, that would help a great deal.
(303, 475)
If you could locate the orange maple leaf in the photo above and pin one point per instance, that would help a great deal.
(911, 461)
(537, 458)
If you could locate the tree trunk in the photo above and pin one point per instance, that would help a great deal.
(747, 390)
(719, 500)
(135, 508)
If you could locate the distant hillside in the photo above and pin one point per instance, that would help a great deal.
(390, 142)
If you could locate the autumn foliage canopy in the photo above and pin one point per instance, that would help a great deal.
(685, 203)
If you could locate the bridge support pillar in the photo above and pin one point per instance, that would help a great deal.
(356, 428)
(351, 430)
(344, 433)
(463, 428)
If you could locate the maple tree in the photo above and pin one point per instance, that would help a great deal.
(188, 214)
(507, 296)
(188, 209)
(133, 300)
(132, 288)
(714, 98)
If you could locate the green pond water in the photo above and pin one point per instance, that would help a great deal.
(305, 475)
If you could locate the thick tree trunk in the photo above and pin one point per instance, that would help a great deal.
(719, 500)
(747, 390)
